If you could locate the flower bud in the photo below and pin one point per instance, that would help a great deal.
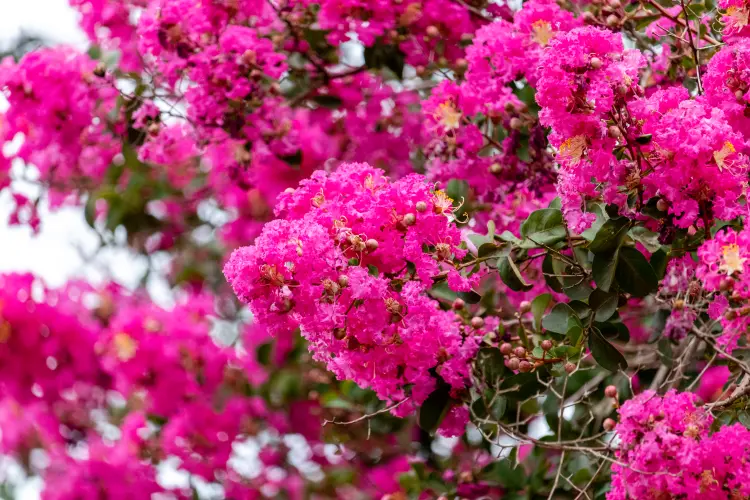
(726, 284)
(432, 31)
(506, 348)
(515, 123)
(339, 333)
(589, 18)
(615, 4)
(609, 425)
(524, 307)
(458, 304)
(477, 322)
(514, 364)
(610, 391)
(343, 281)
(662, 205)
(614, 132)
(679, 305)
(371, 244)
(520, 352)
(595, 62)
(524, 366)
(410, 219)
(570, 368)
(613, 21)
(546, 345)
(496, 168)
(421, 207)
(730, 315)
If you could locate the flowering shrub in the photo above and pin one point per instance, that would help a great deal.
(522, 227)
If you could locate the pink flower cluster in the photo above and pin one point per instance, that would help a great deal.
(668, 451)
(725, 267)
(61, 111)
(587, 73)
(436, 28)
(348, 263)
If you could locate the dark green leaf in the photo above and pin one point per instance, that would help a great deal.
(435, 407)
(560, 319)
(605, 304)
(488, 249)
(511, 276)
(538, 307)
(548, 269)
(643, 139)
(610, 236)
(505, 473)
(659, 260)
(327, 101)
(634, 274)
(543, 227)
(491, 364)
(604, 353)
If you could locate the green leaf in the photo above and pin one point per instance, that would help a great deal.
(574, 334)
(491, 364)
(436, 406)
(543, 227)
(601, 218)
(604, 353)
(263, 353)
(499, 405)
(610, 236)
(604, 269)
(488, 249)
(560, 319)
(511, 276)
(538, 307)
(659, 260)
(505, 473)
(605, 304)
(509, 237)
(327, 101)
(548, 269)
(643, 139)
(648, 239)
(634, 274)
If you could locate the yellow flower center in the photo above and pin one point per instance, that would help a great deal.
(448, 116)
(542, 32)
(573, 149)
(721, 155)
(125, 346)
(731, 260)
(739, 16)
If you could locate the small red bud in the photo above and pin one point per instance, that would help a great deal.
(520, 352)
(371, 244)
(339, 333)
(570, 368)
(662, 205)
(524, 307)
(595, 62)
(343, 281)
(506, 348)
(726, 284)
(421, 207)
(546, 345)
(610, 391)
(613, 21)
(524, 366)
(609, 425)
(458, 304)
(516, 123)
(477, 322)
(410, 219)
(614, 132)
(514, 364)
(432, 31)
